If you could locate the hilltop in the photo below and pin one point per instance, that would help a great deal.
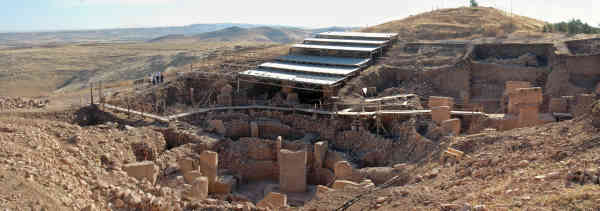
(459, 23)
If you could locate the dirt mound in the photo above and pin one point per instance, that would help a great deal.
(459, 23)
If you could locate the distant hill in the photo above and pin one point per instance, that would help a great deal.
(459, 23)
(277, 34)
(26, 39)
(29, 39)
(239, 34)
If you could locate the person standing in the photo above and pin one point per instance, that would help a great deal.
(162, 78)
(153, 78)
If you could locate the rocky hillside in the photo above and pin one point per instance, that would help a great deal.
(459, 23)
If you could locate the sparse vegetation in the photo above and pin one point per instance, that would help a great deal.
(459, 23)
(574, 26)
(474, 3)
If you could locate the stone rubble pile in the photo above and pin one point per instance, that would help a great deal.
(12, 103)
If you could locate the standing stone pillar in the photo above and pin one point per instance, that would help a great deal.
(254, 132)
(209, 163)
(278, 146)
(292, 171)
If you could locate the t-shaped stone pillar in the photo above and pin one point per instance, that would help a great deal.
(292, 171)
(209, 162)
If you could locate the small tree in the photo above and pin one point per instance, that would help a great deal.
(474, 3)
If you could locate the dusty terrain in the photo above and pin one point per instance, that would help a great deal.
(42, 71)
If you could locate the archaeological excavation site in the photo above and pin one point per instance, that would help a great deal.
(338, 121)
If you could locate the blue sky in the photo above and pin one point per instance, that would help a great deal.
(36, 15)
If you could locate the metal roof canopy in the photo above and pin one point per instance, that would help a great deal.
(294, 77)
(328, 60)
(360, 34)
(348, 41)
(337, 47)
(312, 69)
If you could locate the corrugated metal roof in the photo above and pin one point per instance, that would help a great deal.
(295, 77)
(308, 68)
(360, 34)
(337, 47)
(325, 60)
(345, 41)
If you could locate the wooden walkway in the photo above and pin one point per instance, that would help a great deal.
(306, 110)
(147, 115)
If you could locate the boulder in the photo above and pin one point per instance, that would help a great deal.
(341, 184)
(343, 170)
(199, 188)
(273, 201)
(190, 176)
(225, 184)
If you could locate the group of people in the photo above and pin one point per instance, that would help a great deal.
(157, 78)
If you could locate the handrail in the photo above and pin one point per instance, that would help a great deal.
(298, 109)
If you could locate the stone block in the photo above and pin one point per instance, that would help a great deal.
(292, 171)
(260, 170)
(254, 130)
(320, 151)
(260, 150)
(529, 96)
(512, 86)
(343, 170)
(342, 184)
(273, 200)
(225, 184)
(323, 189)
(584, 103)
(209, 162)
(451, 127)
(332, 157)
(190, 176)
(528, 115)
(437, 101)
(380, 175)
(559, 105)
(440, 114)
(321, 176)
(186, 165)
(218, 125)
(141, 170)
(199, 188)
